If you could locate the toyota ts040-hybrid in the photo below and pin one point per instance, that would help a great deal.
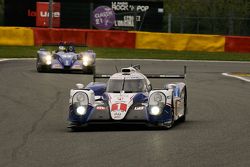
(65, 59)
(128, 98)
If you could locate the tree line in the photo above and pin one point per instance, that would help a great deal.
(229, 17)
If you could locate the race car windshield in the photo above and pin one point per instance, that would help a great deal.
(129, 86)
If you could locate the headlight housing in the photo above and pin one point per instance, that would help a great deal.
(87, 59)
(155, 110)
(81, 110)
(48, 59)
(80, 102)
(157, 98)
(81, 98)
(157, 101)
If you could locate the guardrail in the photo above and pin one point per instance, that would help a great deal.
(18, 36)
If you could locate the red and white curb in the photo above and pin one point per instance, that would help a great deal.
(235, 76)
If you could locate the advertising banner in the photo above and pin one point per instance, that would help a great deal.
(180, 42)
(42, 14)
(103, 17)
(132, 15)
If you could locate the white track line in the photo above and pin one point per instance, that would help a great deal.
(156, 60)
(234, 76)
(17, 59)
(3, 59)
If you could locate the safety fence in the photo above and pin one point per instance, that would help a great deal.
(20, 36)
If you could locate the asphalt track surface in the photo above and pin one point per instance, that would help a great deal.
(33, 121)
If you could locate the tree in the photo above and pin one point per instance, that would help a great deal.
(208, 16)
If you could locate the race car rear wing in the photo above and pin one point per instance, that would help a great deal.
(156, 76)
(168, 76)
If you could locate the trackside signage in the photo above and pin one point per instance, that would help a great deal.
(103, 17)
(134, 15)
(42, 14)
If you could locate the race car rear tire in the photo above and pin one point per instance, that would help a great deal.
(183, 118)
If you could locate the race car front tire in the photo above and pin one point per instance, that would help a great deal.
(89, 70)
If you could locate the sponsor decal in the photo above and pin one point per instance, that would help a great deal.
(56, 66)
(66, 63)
(133, 13)
(103, 17)
(42, 14)
(101, 108)
(139, 108)
(77, 66)
(119, 107)
(31, 13)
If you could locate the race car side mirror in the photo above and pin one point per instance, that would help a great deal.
(79, 86)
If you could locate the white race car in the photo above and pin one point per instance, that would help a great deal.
(128, 98)
(65, 60)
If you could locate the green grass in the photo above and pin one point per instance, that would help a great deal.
(114, 53)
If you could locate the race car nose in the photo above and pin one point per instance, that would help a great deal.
(67, 62)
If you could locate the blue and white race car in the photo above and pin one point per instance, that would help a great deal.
(128, 98)
(65, 59)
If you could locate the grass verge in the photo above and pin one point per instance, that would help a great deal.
(118, 53)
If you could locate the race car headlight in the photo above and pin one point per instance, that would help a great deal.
(155, 110)
(81, 110)
(47, 59)
(80, 98)
(87, 60)
(157, 98)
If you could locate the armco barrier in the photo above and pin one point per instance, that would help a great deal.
(237, 44)
(114, 39)
(18, 36)
(180, 42)
(92, 38)
(56, 35)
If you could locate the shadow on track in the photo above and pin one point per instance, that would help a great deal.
(121, 128)
(61, 72)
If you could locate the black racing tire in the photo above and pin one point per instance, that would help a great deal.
(89, 70)
(38, 67)
(170, 125)
(183, 118)
(75, 129)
